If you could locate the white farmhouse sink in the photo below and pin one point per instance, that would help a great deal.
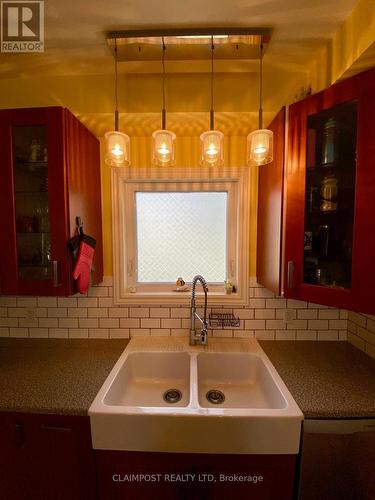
(242, 378)
(251, 410)
(145, 376)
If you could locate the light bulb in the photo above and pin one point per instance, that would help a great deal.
(163, 150)
(212, 151)
(117, 149)
(260, 147)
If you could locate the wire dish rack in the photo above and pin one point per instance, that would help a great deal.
(223, 320)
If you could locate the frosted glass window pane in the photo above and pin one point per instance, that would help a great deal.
(181, 234)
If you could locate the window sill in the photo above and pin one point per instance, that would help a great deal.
(180, 298)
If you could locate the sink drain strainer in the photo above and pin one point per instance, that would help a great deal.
(215, 397)
(172, 396)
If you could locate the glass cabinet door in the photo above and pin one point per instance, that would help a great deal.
(329, 196)
(30, 171)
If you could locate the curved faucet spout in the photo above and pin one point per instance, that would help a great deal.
(201, 338)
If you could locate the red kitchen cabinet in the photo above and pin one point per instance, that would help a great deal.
(46, 457)
(50, 174)
(191, 476)
(270, 211)
(330, 203)
(319, 224)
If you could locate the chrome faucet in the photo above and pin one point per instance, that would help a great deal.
(202, 337)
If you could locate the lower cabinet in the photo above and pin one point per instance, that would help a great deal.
(171, 476)
(46, 457)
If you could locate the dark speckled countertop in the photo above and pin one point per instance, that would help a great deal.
(54, 375)
(327, 379)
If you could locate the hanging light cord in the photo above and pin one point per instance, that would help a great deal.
(261, 87)
(164, 112)
(116, 96)
(212, 118)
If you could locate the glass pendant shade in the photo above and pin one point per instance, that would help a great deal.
(117, 152)
(212, 150)
(260, 147)
(163, 148)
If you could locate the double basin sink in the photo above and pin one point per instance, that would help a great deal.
(165, 395)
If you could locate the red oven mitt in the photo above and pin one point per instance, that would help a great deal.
(82, 268)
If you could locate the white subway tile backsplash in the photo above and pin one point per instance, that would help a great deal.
(4, 331)
(77, 312)
(38, 332)
(160, 332)
(9, 322)
(98, 333)
(150, 323)
(159, 312)
(47, 301)
(16, 312)
(338, 324)
(245, 313)
(109, 323)
(263, 313)
(318, 324)
(68, 322)
(255, 324)
(139, 312)
(58, 333)
(129, 323)
(57, 312)
(307, 314)
(306, 335)
(171, 323)
(257, 303)
(119, 333)
(48, 322)
(276, 303)
(98, 312)
(118, 312)
(329, 314)
(67, 302)
(19, 332)
(98, 291)
(265, 334)
(106, 302)
(8, 301)
(296, 304)
(328, 335)
(88, 323)
(285, 335)
(139, 332)
(78, 333)
(96, 316)
(180, 312)
(87, 302)
(26, 322)
(26, 301)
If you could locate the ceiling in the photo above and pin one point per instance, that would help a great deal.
(75, 40)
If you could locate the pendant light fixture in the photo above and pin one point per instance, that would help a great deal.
(211, 142)
(117, 152)
(163, 141)
(260, 142)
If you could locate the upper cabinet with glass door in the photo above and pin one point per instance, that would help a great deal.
(330, 205)
(50, 170)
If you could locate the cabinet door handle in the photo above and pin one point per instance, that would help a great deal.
(20, 435)
(55, 428)
(290, 276)
(55, 271)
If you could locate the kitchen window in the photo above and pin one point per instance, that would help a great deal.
(171, 223)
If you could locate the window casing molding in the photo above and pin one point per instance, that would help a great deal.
(127, 181)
